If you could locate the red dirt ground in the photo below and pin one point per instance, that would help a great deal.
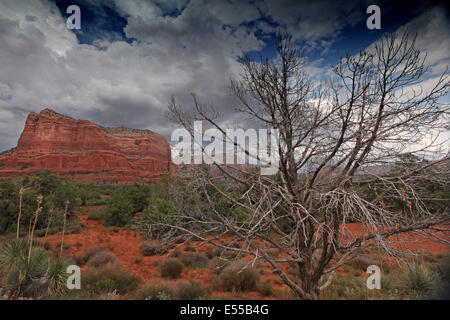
(124, 244)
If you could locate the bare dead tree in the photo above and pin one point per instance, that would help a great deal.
(342, 157)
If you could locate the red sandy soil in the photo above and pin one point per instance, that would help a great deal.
(408, 241)
(124, 244)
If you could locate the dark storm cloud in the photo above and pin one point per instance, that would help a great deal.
(131, 56)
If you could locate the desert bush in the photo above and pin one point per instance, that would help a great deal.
(155, 292)
(212, 252)
(92, 252)
(238, 277)
(171, 268)
(348, 287)
(108, 278)
(119, 210)
(443, 269)
(362, 261)
(102, 258)
(175, 254)
(194, 260)
(217, 264)
(264, 288)
(190, 290)
(189, 248)
(149, 249)
(273, 252)
(96, 215)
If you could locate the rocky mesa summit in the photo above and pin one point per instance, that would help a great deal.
(86, 152)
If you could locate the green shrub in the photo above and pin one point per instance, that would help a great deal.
(171, 268)
(238, 277)
(96, 215)
(119, 210)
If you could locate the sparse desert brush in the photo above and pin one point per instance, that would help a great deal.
(212, 252)
(46, 245)
(91, 252)
(102, 258)
(171, 268)
(362, 261)
(217, 264)
(175, 254)
(238, 276)
(190, 290)
(348, 287)
(194, 260)
(273, 252)
(149, 249)
(108, 278)
(79, 260)
(264, 288)
(155, 292)
(189, 248)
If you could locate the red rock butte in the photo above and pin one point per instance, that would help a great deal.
(85, 152)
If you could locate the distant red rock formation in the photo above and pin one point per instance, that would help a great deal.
(86, 152)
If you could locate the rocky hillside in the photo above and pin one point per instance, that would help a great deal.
(86, 152)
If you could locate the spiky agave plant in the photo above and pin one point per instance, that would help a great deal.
(21, 265)
(57, 276)
(419, 280)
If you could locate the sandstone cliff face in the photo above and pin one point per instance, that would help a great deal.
(86, 152)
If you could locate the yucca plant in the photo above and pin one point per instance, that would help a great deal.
(419, 280)
(11, 251)
(23, 267)
(56, 276)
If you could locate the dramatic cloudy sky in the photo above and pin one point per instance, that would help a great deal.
(130, 56)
